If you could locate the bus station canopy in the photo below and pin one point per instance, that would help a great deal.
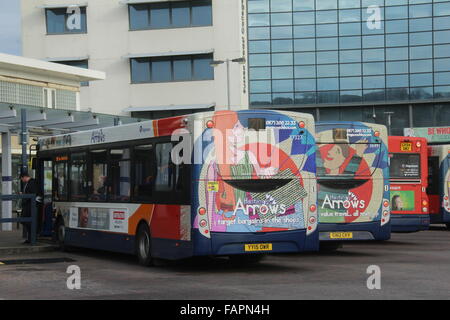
(46, 121)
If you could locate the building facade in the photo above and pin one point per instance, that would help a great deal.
(367, 60)
(383, 61)
(157, 55)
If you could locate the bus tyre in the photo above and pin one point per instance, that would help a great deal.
(60, 235)
(143, 246)
(246, 259)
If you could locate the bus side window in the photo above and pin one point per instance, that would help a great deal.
(433, 175)
(119, 175)
(143, 172)
(60, 173)
(166, 171)
(78, 177)
(100, 183)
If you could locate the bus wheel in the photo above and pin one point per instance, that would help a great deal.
(143, 246)
(61, 234)
(245, 259)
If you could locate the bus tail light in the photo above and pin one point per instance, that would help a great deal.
(425, 203)
(376, 133)
(302, 124)
(386, 216)
(203, 222)
(446, 198)
(312, 220)
(210, 124)
(424, 209)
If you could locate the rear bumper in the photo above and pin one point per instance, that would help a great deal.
(438, 218)
(410, 222)
(361, 231)
(223, 243)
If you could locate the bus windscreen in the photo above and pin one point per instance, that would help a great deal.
(404, 166)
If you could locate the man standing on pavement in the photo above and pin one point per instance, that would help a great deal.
(29, 187)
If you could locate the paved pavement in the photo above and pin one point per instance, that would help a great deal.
(11, 243)
(413, 266)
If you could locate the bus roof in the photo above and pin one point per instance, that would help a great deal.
(375, 126)
(404, 138)
(140, 130)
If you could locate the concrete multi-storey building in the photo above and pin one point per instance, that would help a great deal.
(156, 54)
(384, 61)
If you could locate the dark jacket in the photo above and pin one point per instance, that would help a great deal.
(29, 188)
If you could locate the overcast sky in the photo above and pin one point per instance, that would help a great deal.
(10, 27)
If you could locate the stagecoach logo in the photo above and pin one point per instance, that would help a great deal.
(351, 202)
(98, 136)
(144, 130)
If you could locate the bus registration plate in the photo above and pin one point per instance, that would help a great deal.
(341, 235)
(258, 247)
(406, 146)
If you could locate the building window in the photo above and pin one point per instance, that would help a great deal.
(64, 21)
(49, 98)
(169, 69)
(179, 14)
(77, 63)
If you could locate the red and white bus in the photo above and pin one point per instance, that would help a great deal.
(246, 185)
(409, 180)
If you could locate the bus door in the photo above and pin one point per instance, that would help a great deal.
(45, 178)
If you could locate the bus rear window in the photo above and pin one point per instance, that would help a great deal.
(345, 159)
(257, 124)
(404, 166)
